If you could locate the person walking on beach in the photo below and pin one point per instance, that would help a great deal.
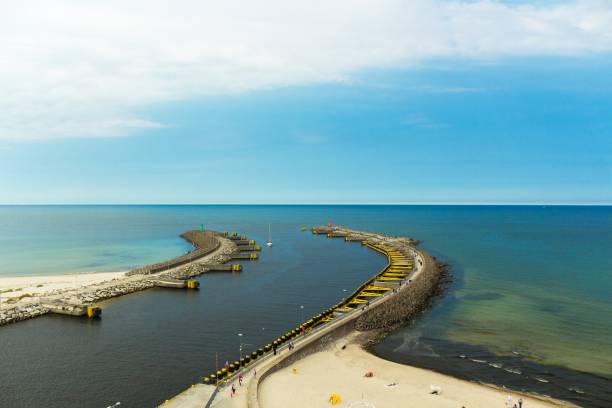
(274, 349)
(233, 390)
(240, 379)
(520, 401)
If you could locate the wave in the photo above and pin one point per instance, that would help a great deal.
(478, 361)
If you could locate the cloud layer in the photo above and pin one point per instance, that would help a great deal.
(86, 69)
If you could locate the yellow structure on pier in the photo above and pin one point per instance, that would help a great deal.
(93, 311)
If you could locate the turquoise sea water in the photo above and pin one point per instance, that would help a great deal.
(532, 288)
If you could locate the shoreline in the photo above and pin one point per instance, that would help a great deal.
(369, 325)
(28, 297)
(341, 370)
(41, 284)
(267, 381)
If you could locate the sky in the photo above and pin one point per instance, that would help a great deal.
(306, 102)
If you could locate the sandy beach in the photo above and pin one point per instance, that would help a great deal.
(310, 381)
(26, 288)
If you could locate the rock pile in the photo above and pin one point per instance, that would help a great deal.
(18, 313)
(207, 242)
(407, 304)
(122, 288)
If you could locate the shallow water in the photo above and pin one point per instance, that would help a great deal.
(532, 292)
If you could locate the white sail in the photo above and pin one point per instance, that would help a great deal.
(269, 242)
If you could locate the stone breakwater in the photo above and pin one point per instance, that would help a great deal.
(216, 249)
(406, 305)
(408, 301)
(19, 313)
(374, 319)
(203, 242)
(405, 286)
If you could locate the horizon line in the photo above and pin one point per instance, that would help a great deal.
(594, 204)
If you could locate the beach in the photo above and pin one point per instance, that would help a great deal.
(20, 297)
(24, 289)
(139, 335)
(329, 366)
(309, 382)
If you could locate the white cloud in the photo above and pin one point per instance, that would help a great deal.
(85, 69)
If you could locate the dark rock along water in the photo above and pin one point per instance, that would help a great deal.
(516, 299)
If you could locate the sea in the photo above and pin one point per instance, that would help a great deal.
(528, 306)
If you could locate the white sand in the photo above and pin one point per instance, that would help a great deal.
(37, 286)
(13, 289)
(342, 372)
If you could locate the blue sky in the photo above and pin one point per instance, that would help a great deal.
(448, 127)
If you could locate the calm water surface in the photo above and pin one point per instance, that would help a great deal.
(531, 298)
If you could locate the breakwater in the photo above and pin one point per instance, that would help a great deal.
(407, 304)
(204, 242)
(405, 267)
(211, 249)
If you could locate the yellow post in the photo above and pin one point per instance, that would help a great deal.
(253, 257)
(93, 311)
(236, 267)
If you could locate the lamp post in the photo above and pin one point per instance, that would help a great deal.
(240, 345)
(301, 314)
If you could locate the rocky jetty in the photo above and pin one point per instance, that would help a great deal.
(212, 248)
(407, 304)
(18, 313)
(204, 242)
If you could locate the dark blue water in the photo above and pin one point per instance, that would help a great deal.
(532, 292)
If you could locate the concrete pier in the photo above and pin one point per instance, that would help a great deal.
(225, 268)
(176, 283)
(71, 309)
(378, 293)
(248, 255)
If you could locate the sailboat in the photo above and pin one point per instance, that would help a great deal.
(269, 241)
